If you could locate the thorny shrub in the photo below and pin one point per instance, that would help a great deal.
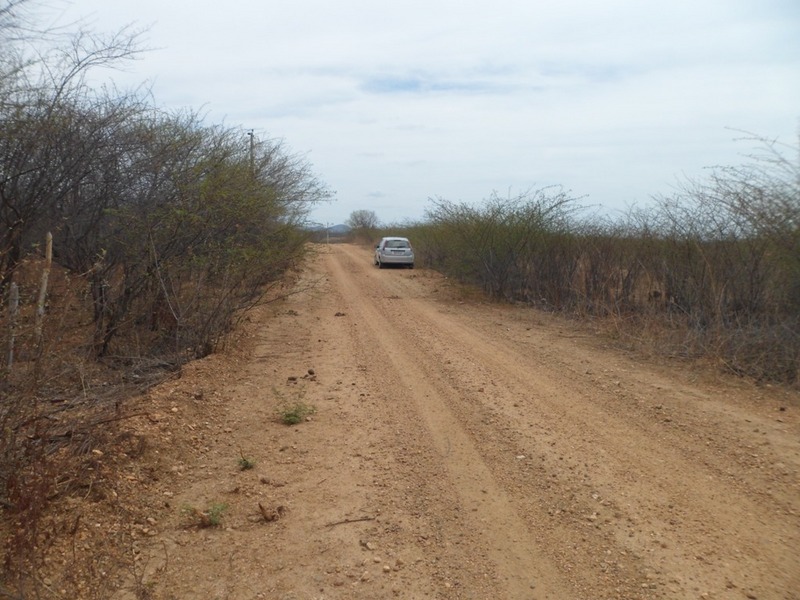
(712, 271)
(164, 229)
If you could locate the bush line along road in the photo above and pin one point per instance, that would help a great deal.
(468, 450)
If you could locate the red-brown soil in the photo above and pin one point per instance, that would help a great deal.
(457, 449)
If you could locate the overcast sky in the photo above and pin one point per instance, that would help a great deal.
(395, 103)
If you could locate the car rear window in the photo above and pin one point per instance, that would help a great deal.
(397, 244)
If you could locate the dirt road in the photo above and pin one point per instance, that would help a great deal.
(463, 450)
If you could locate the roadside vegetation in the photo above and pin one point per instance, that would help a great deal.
(130, 239)
(363, 225)
(711, 272)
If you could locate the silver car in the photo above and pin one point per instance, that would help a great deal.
(394, 251)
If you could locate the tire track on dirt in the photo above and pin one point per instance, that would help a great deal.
(662, 497)
(673, 489)
(656, 488)
(517, 557)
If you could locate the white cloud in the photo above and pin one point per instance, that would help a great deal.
(396, 102)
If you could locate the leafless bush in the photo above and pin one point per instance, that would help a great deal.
(497, 244)
(731, 263)
(711, 271)
(363, 225)
(163, 229)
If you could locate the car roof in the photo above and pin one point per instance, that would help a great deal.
(394, 238)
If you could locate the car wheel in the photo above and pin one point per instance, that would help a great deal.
(380, 264)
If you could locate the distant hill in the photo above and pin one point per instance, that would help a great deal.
(320, 233)
(339, 230)
(332, 230)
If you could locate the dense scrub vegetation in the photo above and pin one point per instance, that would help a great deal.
(130, 237)
(712, 271)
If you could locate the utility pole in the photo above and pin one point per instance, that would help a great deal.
(251, 133)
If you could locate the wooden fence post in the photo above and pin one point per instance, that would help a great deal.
(13, 311)
(48, 261)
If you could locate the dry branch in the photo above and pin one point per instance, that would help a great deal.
(345, 521)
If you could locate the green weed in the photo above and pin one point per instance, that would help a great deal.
(245, 463)
(294, 413)
(211, 517)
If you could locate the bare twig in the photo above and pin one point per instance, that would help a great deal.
(345, 521)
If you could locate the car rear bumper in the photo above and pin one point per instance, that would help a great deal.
(396, 259)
